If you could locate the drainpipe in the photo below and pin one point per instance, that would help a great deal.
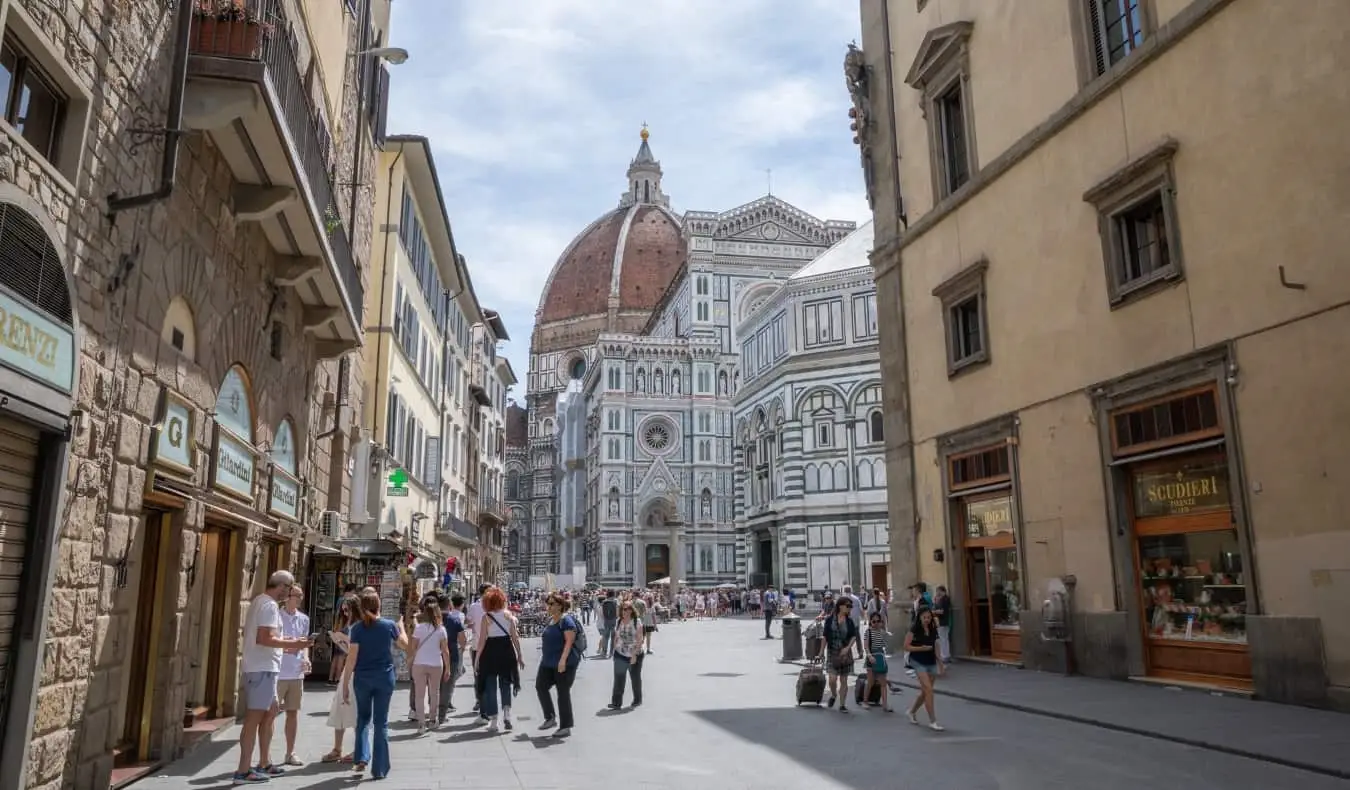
(172, 132)
(384, 283)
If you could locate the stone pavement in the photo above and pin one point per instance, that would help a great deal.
(1314, 740)
(718, 715)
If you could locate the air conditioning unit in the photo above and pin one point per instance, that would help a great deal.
(330, 524)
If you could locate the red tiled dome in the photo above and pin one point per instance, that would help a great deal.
(641, 241)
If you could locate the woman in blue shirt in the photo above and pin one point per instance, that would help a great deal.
(370, 674)
(557, 666)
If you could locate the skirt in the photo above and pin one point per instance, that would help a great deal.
(499, 656)
(342, 716)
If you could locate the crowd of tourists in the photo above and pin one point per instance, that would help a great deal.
(444, 636)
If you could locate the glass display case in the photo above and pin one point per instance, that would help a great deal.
(1193, 586)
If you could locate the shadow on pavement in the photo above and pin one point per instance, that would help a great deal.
(810, 740)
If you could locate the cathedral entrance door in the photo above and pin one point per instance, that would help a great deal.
(658, 561)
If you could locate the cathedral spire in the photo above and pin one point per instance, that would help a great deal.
(644, 177)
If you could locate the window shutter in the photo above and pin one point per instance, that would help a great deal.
(1098, 36)
(433, 462)
(380, 107)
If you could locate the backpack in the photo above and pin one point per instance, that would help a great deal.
(610, 609)
(579, 641)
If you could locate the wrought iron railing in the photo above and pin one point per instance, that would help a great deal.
(448, 524)
(260, 30)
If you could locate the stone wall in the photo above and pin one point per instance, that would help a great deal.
(127, 270)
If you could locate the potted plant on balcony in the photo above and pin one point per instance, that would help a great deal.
(228, 28)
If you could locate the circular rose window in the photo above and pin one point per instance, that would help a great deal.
(657, 438)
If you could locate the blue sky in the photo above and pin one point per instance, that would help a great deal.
(534, 107)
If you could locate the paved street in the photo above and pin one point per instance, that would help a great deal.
(718, 714)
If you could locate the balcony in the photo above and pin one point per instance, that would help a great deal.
(456, 531)
(491, 511)
(246, 91)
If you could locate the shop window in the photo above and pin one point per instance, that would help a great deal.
(1175, 420)
(1194, 587)
(978, 468)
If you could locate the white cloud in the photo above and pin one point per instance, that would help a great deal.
(533, 110)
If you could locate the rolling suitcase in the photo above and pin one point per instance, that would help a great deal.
(860, 687)
(811, 684)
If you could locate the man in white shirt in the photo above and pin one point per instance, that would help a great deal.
(471, 627)
(261, 666)
(294, 668)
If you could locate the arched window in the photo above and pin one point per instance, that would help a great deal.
(234, 466)
(180, 330)
(875, 432)
(578, 369)
(234, 404)
(513, 485)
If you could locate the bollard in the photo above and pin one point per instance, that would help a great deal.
(792, 637)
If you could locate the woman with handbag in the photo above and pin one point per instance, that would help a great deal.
(841, 636)
(628, 644)
(498, 658)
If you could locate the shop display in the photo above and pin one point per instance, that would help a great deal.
(1194, 587)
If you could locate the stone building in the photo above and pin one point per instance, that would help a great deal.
(641, 309)
(810, 481)
(1107, 383)
(516, 493)
(492, 378)
(177, 392)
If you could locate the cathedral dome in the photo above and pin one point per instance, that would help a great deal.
(627, 258)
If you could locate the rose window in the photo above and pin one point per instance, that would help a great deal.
(657, 437)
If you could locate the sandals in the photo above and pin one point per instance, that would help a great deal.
(359, 768)
(332, 757)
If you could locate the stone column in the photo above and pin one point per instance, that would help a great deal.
(639, 562)
(676, 526)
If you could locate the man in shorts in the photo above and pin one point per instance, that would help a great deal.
(261, 666)
(294, 668)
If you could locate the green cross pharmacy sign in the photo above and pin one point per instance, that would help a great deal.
(398, 483)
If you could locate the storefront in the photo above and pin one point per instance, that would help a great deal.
(169, 485)
(981, 495)
(1191, 575)
(38, 352)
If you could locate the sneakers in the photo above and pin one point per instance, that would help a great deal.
(548, 724)
(912, 718)
(492, 725)
(936, 727)
(614, 706)
(250, 777)
(291, 760)
(271, 770)
(506, 719)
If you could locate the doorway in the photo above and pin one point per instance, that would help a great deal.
(138, 707)
(993, 580)
(764, 560)
(273, 556)
(881, 575)
(658, 561)
(212, 570)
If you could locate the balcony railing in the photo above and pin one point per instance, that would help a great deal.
(448, 524)
(271, 40)
(492, 507)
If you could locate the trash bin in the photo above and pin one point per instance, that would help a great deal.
(792, 637)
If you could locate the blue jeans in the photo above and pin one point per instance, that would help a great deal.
(491, 684)
(373, 692)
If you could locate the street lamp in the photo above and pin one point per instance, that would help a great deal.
(394, 56)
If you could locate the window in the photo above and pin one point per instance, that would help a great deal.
(705, 450)
(976, 468)
(1174, 420)
(726, 558)
(875, 432)
(615, 378)
(613, 560)
(864, 316)
(824, 433)
(823, 322)
(701, 286)
(965, 318)
(32, 103)
(941, 72)
(1137, 213)
(702, 311)
(1115, 29)
(705, 559)
(614, 419)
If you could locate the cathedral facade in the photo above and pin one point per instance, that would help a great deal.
(628, 456)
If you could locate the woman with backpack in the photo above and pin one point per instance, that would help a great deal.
(562, 644)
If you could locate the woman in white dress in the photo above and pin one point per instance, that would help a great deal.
(342, 713)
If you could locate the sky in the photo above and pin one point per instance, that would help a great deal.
(533, 108)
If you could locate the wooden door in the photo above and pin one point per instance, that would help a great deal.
(145, 642)
(881, 576)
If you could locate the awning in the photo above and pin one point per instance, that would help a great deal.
(376, 546)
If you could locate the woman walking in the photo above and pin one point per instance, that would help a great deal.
(628, 641)
(342, 713)
(841, 635)
(876, 661)
(369, 679)
(646, 612)
(921, 644)
(498, 658)
(430, 666)
(558, 663)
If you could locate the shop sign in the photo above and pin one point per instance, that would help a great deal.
(172, 445)
(988, 517)
(284, 497)
(36, 345)
(232, 470)
(1193, 488)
